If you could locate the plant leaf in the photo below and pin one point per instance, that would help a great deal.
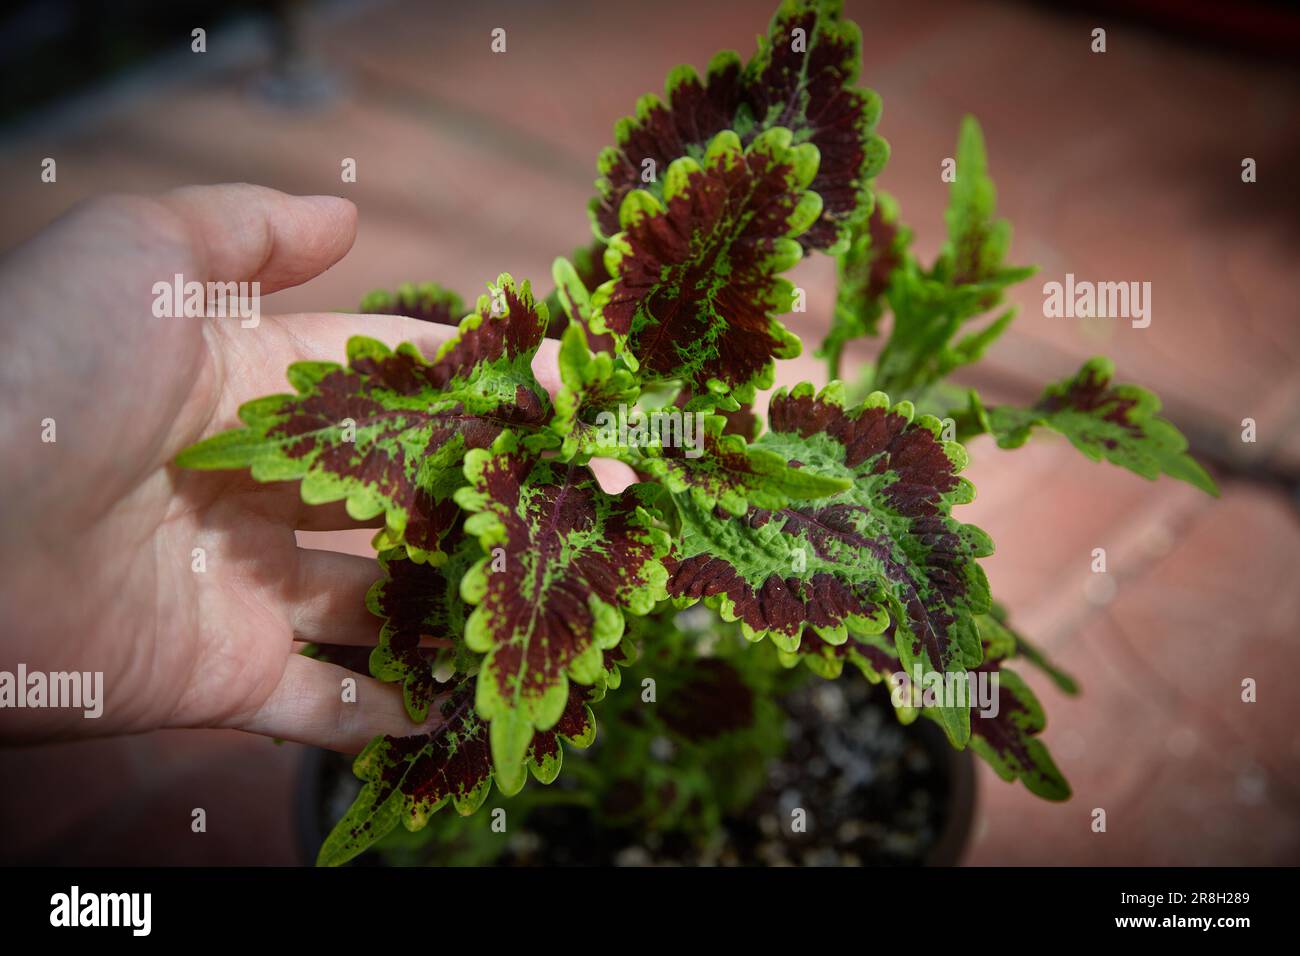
(576, 726)
(593, 383)
(427, 301)
(811, 93)
(978, 242)
(728, 472)
(564, 560)
(1104, 420)
(695, 291)
(417, 600)
(802, 82)
(692, 112)
(886, 548)
(1009, 740)
(411, 420)
(570, 302)
(614, 660)
(407, 779)
(928, 314)
(873, 654)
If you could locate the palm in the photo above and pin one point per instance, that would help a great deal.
(186, 589)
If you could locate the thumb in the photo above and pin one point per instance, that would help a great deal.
(247, 233)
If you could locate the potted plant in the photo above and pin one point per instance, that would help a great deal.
(700, 616)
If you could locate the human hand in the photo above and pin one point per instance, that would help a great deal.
(99, 528)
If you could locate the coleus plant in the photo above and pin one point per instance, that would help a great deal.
(516, 590)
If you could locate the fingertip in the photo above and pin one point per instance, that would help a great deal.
(342, 211)
(247, 232)
(546, 366)
(613, 476)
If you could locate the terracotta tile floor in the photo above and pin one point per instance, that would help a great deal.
(1117, 166)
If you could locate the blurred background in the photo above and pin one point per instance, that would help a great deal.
(1117, 166)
